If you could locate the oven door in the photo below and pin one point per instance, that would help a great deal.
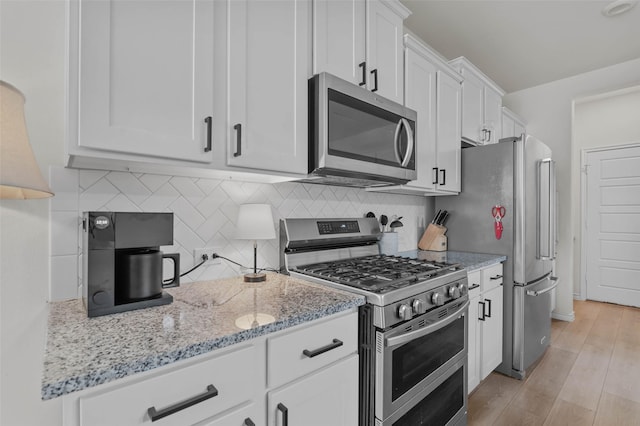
(442, 402)
(412, 355)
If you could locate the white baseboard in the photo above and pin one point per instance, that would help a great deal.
(564, 317)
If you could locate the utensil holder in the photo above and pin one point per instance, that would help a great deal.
(388, 243)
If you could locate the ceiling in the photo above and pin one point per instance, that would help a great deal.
(525, 43)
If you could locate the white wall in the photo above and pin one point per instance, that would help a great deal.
(548, 111)
(604, 120)
(32, 59)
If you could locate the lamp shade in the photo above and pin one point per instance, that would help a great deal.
(20, 176)
(255, 222)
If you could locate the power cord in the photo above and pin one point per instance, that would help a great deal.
(205, 257)
(216, 256)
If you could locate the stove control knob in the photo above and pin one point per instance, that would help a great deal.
(404, 312)
(437, 299)
(418, 306)
(454, 292)
(462, 287)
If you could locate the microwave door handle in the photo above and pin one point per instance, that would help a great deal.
(407, 337)
(403, 160)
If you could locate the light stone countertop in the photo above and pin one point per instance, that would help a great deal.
(470, 261)
(82, 352)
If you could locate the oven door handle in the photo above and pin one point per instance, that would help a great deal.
(407, 337)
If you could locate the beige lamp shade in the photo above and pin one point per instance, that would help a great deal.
(20, 176)
(255, 222)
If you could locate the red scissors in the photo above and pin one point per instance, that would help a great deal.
(498, 213)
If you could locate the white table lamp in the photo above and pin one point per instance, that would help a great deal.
(255, 222)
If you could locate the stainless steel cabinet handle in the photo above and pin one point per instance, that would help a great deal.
(481, 310)
(157, 415)
(495, 277)
(489, 137)
(209, 124)
(285, 414)
(488, 303)
(335, 344)
(248, 422)
(238, 129)
(444, 177)
(363, 65)
(436, 174)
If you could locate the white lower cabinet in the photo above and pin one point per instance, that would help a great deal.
(485, 323)
(308, 372)
(306, 401)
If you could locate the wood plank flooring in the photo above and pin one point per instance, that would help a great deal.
(589, 375)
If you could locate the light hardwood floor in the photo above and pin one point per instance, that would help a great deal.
(589, 375)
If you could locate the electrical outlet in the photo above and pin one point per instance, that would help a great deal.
(197, 255)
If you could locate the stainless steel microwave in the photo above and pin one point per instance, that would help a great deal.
(357, 137)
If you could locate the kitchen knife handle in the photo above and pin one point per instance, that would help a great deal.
(436, 174)
(375, 80)
(285, 413)
(238, 129)
(483, 316)
(209, 124)
(363, 65)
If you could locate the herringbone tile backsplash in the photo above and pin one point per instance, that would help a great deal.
(205, 213)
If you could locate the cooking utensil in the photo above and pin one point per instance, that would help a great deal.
(436, 217)
(383, 221)
(444, 218)
(370, 214)
(396, 224)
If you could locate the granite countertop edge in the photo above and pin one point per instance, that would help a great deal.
(80, 382)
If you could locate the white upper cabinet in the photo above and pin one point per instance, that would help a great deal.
(433, 90)
(268, 68)
(512, 125)
(361, 41)
(141, 78)
(481, 105)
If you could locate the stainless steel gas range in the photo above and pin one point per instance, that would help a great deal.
(413, 328)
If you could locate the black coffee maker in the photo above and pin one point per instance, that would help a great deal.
(122, 261)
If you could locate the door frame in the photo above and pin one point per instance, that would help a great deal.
(582, 295)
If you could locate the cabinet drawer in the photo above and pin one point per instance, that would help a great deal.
(286, 358)
(491, 277)
(473, 281)
(230, 374)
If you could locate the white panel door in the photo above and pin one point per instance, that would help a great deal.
(268, 70)
(146, 77)
(448, 110)
(613, 226)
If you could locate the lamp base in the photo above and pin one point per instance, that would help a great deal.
(255, 277)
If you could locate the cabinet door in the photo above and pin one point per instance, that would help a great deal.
(339, 39)
(146, 77)
(420, 82)
(448, 109)
(491, 331)
(268, 69)
(384, 51)
(472, 108)
(327, 397)
(492, 114)
(508, 126)
(518, 128)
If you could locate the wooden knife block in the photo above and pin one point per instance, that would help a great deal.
(433, 238)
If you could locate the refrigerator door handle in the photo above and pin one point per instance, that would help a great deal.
(546, 226)
(546, 290)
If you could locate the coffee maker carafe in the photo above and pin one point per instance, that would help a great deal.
(122, 261)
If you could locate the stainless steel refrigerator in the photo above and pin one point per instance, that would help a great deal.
(519, 175)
